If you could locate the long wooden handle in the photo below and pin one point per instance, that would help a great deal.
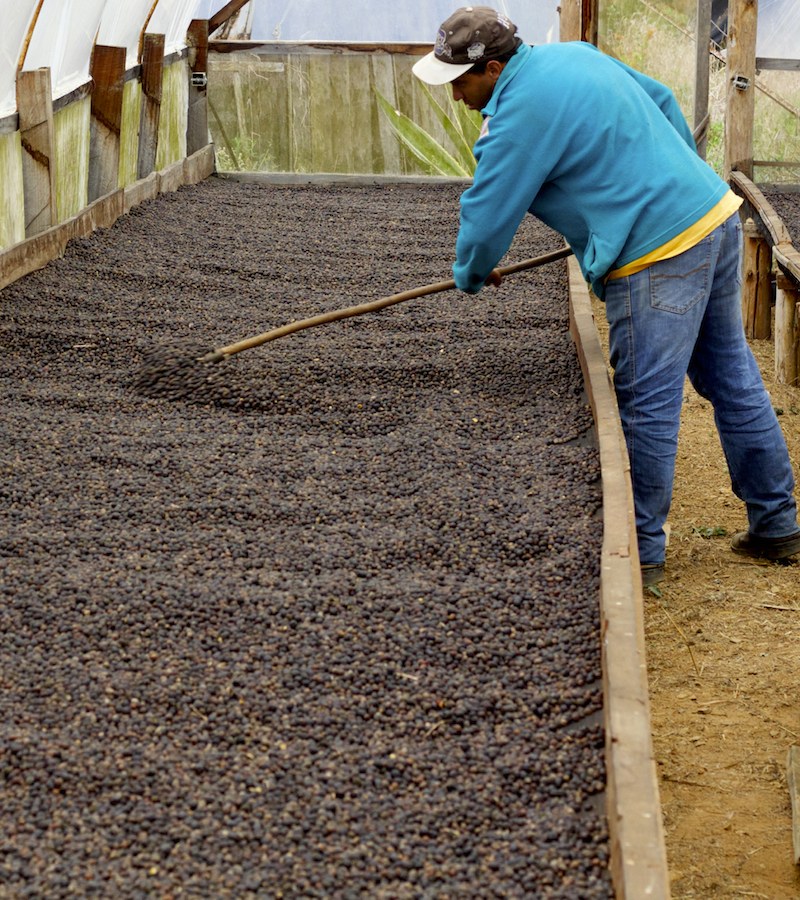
(371, 306)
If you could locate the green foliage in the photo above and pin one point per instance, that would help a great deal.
(243, 153)
(715, 146)
(461, 127)
(658, 39)
(709, 531)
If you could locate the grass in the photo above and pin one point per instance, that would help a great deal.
(657, 38)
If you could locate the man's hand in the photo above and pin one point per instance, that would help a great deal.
(495, 278)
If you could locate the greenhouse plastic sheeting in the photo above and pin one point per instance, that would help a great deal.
(172, 19)
(65, 30)
(378, 21)
(62, 39)
(778, 29)
(12, 35)
(121, 26)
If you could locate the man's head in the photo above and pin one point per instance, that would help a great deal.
(473, 34)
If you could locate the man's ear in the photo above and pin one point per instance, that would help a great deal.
(494, 68)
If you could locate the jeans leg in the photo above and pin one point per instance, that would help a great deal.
(654, 317)
(680, 317)
(723, 370)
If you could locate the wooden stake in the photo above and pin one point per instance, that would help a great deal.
(740, 106)
(108, 75)
(757, 285)
(197, 135)
(793, 779)
(35, 108)
(152, 78)
(701, 74)
(787, 300)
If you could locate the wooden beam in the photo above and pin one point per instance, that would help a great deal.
(701, 75)
(152, 81)
(227, 12)
(757, 284)
(780, 65)
(108, 75)
(35, 109)
(589, 19)
(740, 98)
(793, 778)
(570, 20)
(787, 329)
(638, 861)
(197, 135)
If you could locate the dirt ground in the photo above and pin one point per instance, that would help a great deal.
(722, 639)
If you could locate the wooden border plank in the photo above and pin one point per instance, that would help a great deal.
(793, 780)
(36, 251)
(638, 851)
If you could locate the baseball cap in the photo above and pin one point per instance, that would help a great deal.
(471, 34)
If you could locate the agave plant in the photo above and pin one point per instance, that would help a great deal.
(460, 124)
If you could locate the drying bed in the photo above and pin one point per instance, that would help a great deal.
(786, 204)
(330, 626)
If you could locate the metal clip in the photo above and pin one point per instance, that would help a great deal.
(199, 79)
(741, 82)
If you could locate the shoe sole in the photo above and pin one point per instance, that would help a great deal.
(745, 545)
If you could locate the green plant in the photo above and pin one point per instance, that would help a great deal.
(243, 153)
(658, 39)
(461, 127)
(709, 531)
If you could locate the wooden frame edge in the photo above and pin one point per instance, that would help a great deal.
(638, 852)
(35, 252)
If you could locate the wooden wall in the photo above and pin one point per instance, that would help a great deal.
(312, 108)
(50, 154)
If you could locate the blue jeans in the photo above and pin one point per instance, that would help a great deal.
(683, 317)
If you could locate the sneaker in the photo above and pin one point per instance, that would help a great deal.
(652, 573)
(764, 547)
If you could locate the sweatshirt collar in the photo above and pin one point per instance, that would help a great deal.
(509, 71)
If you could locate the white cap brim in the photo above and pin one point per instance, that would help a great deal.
(433, 71)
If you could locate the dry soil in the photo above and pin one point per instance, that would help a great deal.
(722, 645)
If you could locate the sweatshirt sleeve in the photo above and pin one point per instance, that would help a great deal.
(493, 207)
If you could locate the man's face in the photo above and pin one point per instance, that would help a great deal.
(473, 90)
(476, 89)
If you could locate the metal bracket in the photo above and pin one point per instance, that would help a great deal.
(199, 79)
(741, 82)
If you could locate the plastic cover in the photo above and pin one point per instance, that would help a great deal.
(377, 21)
(62, 39)
(778, 29)
(16, 22)
(65, 30)
(121, 26)
(172, 19)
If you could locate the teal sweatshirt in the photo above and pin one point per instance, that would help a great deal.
(596, 150)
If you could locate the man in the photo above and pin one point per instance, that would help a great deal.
(603, 155)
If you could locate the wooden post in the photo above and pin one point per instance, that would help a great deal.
(793, 781)
(108, 75)
(578, 20)
(740, 100)
(197, 125)
(152, 80)
(589, 19)
(35, 108)
(757, 284)
(570, 20)
(787, 330)
(701, 75)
